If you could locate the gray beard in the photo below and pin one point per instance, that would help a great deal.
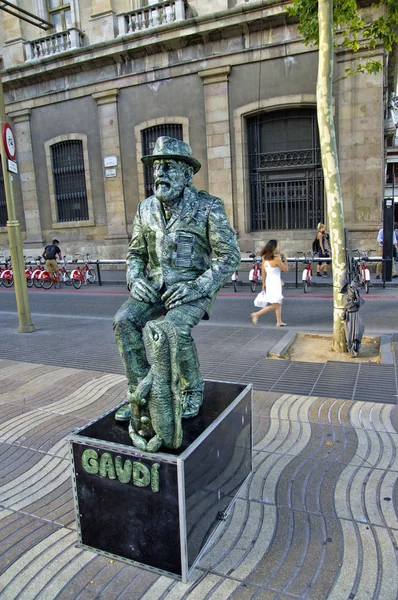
(169, 197)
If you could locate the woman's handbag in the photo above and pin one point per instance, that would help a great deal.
(260, 300)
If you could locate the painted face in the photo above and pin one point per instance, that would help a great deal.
(170, 178)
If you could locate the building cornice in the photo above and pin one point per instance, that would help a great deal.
(150, 41)
(275, 51)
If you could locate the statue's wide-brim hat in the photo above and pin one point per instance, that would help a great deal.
(167, 147)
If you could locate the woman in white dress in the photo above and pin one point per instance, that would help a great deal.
(272, 264)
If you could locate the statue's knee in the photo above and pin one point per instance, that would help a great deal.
(185, 334)
(119, 320)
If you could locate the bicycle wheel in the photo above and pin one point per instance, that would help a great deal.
(8, 282)
(253, 285)
(367, 286)
(66, 279)
(90, 276)
(77, 283)
(46, 283)
(37, 282)
(29, 282)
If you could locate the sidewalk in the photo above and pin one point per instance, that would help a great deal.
(316, 520)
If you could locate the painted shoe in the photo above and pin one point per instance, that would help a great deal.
(123, 413)
(193, 402)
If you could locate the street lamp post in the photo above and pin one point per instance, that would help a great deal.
(14, 234)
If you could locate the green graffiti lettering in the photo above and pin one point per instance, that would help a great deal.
(107, 466)
(123, 472)
(141, 475)
(90, 461)
(155, 477)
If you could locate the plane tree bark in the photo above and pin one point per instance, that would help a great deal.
(320, 21)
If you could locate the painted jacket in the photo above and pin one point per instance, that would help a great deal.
(196, 243)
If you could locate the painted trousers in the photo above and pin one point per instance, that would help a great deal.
(128, 325)
(379, 268)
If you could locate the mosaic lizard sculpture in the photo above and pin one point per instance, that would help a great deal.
(156, 404)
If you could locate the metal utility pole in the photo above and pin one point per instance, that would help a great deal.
(14, 235)
(14, 230)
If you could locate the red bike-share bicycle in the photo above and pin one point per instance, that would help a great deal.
(82, 274)
(306, 276)
(362, 268)
(7, 275)
(255, 276)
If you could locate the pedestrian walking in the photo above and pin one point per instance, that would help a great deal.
(379, 265)
(273, 263)
(50, 254)
(322, 239)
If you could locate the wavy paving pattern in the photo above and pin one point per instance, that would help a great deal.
(317, 518)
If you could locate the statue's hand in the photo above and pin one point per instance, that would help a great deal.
(142, 290)
(181, 293)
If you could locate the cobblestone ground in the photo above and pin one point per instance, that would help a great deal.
(317, 518)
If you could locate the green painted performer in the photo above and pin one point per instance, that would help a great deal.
(182, 251)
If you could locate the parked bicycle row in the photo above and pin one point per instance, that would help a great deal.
(37, 275)
(359, 267)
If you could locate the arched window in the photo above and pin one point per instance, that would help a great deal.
(285, 172)
(149, 137)
(67, 163)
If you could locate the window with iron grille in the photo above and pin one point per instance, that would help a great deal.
(285, 171)
(149, 137)
(3, 204)
(67, 161)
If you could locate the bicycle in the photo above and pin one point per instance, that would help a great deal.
(47, 279)
(28, 271)
(362, 268)
(82, 274)
(37, 272)
(306, 276)
(235, 280)
(255, 275)
(7, 275)
(2, 270)
(64, 275)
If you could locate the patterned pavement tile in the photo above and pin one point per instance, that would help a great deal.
(20, 533)
(316, 519)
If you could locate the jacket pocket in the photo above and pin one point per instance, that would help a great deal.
(183, 256)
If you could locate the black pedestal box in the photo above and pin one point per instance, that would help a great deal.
(159, 511)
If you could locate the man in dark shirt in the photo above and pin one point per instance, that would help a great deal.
(50, 254)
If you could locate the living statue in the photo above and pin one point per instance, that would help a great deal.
(182, 251)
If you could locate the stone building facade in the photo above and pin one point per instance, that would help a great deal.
(230, 77)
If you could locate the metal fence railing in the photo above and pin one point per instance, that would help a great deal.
(103, 263)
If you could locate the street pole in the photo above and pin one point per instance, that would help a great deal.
(14, 236)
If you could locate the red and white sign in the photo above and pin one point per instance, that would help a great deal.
(9, 142)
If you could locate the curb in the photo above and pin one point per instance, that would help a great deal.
(386, 349)
(281, 348)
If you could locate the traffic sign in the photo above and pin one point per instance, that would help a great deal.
(12, 166)
(9, 141)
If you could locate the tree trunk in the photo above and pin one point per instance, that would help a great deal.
(327, 135)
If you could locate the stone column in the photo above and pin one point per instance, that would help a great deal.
(110, 146)
(103, 20)
(359, 122)
(215, 82)
(23, 137)
(14, 38)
